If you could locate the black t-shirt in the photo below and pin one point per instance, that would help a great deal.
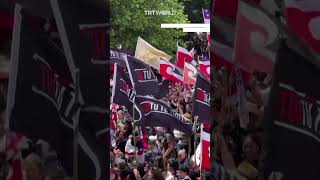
(121, 144)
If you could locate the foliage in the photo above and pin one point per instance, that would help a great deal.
(129, 21)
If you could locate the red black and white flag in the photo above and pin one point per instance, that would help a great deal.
(123, 92)
(170, 71)
(143, 79)
(255, 39)
(189, 74)
(183, 55)
(44, 74)
(158, 114)
(307, 27)
(201, 99)
(204, 66)
(205, 148)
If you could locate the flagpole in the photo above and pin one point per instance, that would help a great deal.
(76, 127)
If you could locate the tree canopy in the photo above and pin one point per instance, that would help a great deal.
(129, 21)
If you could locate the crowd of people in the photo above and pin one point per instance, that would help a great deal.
(239, 112)
(154, 152)
(23, 158)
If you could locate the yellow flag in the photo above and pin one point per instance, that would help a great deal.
(149, 54)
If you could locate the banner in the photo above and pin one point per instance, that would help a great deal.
(293, 113)
(226, 9)
(149, 54)
(118, 57)
(183, 55)
(158, 114)
(201, 100)
(142, 77)
(255, 35)
(39, 75)
(123, 93)
(308, 26)
(189, 74)
(163, 86)
(82, 27)
(170, 71)
(204, 67)
(205, 149)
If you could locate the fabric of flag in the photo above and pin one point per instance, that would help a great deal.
(292, 117)
(205, 149)
(189, 74)
(255, 33)
(158, 114)
(201, 100)
(206, 20)
(82, 27)
(149, 54)
(170, 71)
(117, 57)
(163, 86)
(308, 26)
(123, 93)
(206, 16)
(143, 79)
(183, 55)
(226, 9)
(204, 67)
(39, 74)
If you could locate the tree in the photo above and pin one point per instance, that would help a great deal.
(128, 20)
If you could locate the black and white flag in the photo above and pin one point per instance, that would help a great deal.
(144, 80)
(158, 114)
(201, 99)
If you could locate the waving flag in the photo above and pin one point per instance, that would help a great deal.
(117, 57)
(206, 19)
(255, 33)
(205, 149)
(143, 79)
(149, 54)
(183, 55)
(163, 86)
(189, 74)
(204, 66)
(158, 114)
(170, 71)
(201, 99)
(82, 26)
(226, 9)
(123, 92)
(308, 26)
(40, 74)
(293, 116)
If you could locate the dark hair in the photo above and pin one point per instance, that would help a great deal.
(255, 138)
(174, 164)
(184, 168)
(157, 175)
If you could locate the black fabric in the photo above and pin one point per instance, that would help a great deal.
(293, 113)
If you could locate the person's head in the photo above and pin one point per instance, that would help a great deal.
(152, 144)
(120, 114)
(157, 175)
(188, 108)
(251, 148)
(182, 171)
(137, 136)
(33, 167)
(172, 165)
(182, 154)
